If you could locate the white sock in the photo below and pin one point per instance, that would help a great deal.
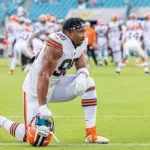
(90, 116)
(118, 69)
(89, 104)
(100, 62)
(15, 129)
(146, 69)
(136, 59)
(9, 61)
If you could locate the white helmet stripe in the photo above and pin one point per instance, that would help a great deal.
(40, 141)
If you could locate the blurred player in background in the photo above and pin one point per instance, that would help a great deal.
(42, 28)
(41, 31)
(11, 31)
(102, 33)
(47, 78)
(133, 20)
(91, 35)
(22, 46)
(115, 38)
(134, 43)
(28, 24)
(21, 28)
(146, 32)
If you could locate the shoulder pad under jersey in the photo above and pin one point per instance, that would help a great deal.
(56, 40)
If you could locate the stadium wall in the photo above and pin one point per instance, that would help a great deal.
(104, 13)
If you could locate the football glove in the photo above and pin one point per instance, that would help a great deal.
(43, 131)
(80, 84)
(44, 112)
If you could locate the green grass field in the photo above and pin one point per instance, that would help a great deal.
(123, 110)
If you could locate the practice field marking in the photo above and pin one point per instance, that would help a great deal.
(82, 145)
(107, 100)
(84, 116)
(106, 90)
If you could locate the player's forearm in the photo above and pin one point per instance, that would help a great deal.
(42, 88)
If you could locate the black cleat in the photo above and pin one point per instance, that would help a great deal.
(106, 63)
(100, 64)
(117, 73)
(147, 72)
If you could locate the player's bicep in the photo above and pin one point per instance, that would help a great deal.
(49, 61)
(81, 62)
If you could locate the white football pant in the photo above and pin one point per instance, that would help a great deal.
(37, 45)
(133, 46)
(20, 48)
(102, 47)
(61, 92)
(11, 41)
(115, 45)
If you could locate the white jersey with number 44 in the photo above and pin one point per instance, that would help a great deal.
(134, 35)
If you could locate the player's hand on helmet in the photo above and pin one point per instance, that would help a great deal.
(43, 130)
(45, 113)
(80, 84)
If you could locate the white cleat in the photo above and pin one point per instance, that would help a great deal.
(93, 137)
(96, 139)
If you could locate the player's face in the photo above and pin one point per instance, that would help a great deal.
(78, 36)
(42, 20)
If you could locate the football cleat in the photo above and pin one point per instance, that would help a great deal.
(40, 131)
(10, 72)
(125, 64)
(117, 73)
(147, 72)
(106, 63)
(93, 137)
(136, 62)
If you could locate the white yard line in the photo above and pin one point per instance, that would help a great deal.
(101, 100)
(82, 144)
(83, 116)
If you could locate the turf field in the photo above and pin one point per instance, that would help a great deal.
(123, 111)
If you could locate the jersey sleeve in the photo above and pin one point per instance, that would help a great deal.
(55, 41)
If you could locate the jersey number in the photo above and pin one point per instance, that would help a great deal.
(63, 38)
(10, 30)
(136, 35)
(66, 64)
(24, 36)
